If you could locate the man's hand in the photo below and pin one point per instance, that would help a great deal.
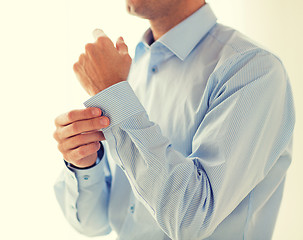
(78, 136)
(102, 65)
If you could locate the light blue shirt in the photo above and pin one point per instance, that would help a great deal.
(199, 142)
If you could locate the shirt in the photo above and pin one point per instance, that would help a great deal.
(198, 145)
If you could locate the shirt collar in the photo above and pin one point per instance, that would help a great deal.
(182, 39)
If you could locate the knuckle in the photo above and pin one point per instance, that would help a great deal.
(80, 139)
(82, 152)
(87, 150)
(70, 116)
(75, 127)
(81, 59)
(64, 145)
(95, 124)
(89, 124)
(76, 67)
(99, 136)
(87, 113)
(93, 147)
(92, 124)
(55, 135)
(103, 41)
(89, 47)
(66, 157)
(72, 156)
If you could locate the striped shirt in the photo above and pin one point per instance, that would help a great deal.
(199, 142)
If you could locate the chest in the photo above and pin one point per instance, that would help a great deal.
(172, 94)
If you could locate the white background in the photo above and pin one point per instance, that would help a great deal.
(39, 42)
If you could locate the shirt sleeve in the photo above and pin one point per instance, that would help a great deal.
(248, 125)
(83, 197)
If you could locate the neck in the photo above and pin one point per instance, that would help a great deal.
(163, 24)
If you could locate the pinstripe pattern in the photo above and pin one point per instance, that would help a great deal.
(199, 147)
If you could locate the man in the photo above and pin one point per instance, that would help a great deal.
(197, 141)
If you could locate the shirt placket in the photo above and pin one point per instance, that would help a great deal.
(158, 55)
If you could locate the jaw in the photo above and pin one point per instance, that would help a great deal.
(147, 9)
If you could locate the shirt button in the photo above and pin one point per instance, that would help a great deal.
(86, 177)
(154, 69)
(132, 208)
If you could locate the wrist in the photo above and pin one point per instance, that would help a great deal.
(99, 156)
(105, 86)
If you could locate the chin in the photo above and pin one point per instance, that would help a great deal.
(138, 8)
(131, 10)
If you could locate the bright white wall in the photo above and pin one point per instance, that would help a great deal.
(39, 42)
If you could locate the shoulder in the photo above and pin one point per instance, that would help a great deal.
(237, 55)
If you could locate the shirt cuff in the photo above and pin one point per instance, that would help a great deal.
(117, 102)
(88, 176)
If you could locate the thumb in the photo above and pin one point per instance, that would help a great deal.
(121, 46)
(98, 33)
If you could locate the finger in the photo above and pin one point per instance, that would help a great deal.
(77, 115)
(79, 140)
(121, 46)
(82, 59)
(91, 50)
(83, 126)
(91, 67)
(103, 42)
(82, 76)
(82, 152)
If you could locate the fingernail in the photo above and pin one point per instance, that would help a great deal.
(96, 111)
(104, 121)
(98, 30)
(97, 33)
